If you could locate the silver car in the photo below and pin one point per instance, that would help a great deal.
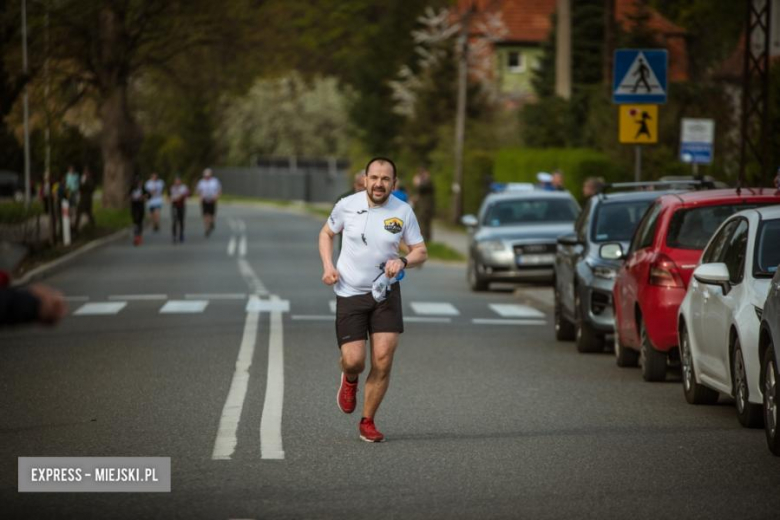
(767, 260)
(513, 238)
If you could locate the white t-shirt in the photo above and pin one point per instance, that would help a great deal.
(382, 228)
(208, 189)
(156, 190)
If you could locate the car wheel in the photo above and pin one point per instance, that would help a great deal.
(624, 356)
(750, 415)
(694, 392)
(771, 400)
(588, 340)
(476, 282)
(564, 329)
(652, 361)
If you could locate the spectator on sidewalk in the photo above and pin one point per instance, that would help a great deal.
(358, 184)
(557, 181)
(400, 191)
(424, 202)
(86, 193)
(72, 182)
(591, 186)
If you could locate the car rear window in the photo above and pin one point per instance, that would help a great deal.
(531, 211)
(692, 228)
(616, 221)
(767, 249)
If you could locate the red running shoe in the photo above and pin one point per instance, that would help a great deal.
(368, 431)
(346, 397)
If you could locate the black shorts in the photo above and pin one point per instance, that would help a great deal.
(359, 316)
(208, 208)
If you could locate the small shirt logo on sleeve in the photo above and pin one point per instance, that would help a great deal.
(394, 225)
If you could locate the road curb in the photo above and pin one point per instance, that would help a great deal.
(50, 267)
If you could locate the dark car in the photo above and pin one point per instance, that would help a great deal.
(513, 238)
(587, 261)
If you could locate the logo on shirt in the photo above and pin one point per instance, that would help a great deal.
(394, 225)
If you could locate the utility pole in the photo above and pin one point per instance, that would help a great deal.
(26, 109)
(46, 90)
(460, 116)
(563, 50)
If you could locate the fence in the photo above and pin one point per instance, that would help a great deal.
(309, 180)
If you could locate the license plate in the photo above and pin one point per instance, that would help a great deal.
(535, 259)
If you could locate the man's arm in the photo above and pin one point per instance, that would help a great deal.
(329, 273)
(417, 256)
(38, 303)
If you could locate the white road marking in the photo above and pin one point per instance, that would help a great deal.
(225, 443)
(100, 309)
(216, 296)
(513, 310)
(184, 306)
(434, 309)
(255, 304)
(138, 297)
(242, 246)
(241, 226)
(251, 278)
(312, 317)
(77, 298)
(418, 319)
(271, 421)
(332, 305)
(231, 250)
(233, 224)
(480, 321)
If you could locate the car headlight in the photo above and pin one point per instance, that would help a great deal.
(490, 246)
(604, 272)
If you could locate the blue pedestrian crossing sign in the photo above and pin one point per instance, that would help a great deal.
(639, 76)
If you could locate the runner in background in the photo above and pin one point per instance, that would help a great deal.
(208, 189)
(138, 198)
(178, 193)
(156, 188)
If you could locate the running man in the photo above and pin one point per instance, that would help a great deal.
(138, 198)
(178, 193)
(372, 223)
(208, 189)
(156, 188)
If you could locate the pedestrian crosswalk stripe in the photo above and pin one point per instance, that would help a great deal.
(332, 305)
(138, 297)
(255, 304)
(435, 309)
(481, 321)
(512, 310)
(216, 296)
(100, 309)
(184, 306)
(420, 319)
(76, 298)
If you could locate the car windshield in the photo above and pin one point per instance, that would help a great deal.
(692, 228)
(616, 221)
(530, 211)
(767, 248)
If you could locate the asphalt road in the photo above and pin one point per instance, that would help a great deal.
(487, 415)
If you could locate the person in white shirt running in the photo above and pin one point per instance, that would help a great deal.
(372, 223)
(156, 188)
(209, 189)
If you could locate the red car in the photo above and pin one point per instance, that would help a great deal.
(652, 281)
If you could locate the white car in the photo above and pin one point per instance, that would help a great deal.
(718, 321)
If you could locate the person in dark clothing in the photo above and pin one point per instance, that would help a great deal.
(424, 202)
(138, 198)
(179, 193)
(86, 191)
(38, 303)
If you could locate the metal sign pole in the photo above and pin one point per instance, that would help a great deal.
(637, 163)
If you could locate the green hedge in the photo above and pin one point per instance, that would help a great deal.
(477, 167)
(12, 212)
(577, 164)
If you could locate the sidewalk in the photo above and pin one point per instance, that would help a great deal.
(459, 241)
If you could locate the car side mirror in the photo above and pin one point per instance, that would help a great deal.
(713, 274)
(569, 240)
(469, 221)
(612, 251)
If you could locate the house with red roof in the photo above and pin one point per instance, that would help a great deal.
(527, 25)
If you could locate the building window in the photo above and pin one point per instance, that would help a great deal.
(515, 62)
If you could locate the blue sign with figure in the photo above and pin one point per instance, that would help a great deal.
(696, 153)
(639, 76)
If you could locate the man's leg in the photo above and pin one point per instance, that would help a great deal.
(353, 359)
(383, 345)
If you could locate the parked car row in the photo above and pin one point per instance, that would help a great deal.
(676, 273)
(680, 277)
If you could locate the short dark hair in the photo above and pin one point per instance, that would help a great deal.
(382, 160)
